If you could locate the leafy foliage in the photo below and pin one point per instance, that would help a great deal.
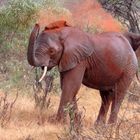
(17, 15)
(16, 20)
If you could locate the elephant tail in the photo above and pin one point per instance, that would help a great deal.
(134, 39)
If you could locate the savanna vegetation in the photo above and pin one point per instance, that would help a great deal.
(26, 112)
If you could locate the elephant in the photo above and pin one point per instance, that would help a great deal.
(134, 40)
(105, 61)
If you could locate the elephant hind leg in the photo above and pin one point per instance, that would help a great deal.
(106, 96)
(119, 92)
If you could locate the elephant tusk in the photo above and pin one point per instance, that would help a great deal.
(43, 75)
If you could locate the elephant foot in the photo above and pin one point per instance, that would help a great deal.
(99, 123)
(113, 118)
(112, 121)
(60, 119)
(52, 119)
(101, 120)
(55, 119)
(66, 118)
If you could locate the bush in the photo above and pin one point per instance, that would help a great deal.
(17, 15)
(17, 18)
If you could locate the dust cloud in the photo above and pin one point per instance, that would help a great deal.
(83, 14)
(90, 13)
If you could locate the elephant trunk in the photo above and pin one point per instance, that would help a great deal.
(32, 60)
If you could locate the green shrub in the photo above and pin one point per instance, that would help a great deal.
(17, 15)
(17, 18)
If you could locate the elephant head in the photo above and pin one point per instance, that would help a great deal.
(57, 46)
(44, 49)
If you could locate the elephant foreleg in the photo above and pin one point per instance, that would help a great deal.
(70, 83)
(106, 96)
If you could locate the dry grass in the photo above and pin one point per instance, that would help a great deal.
(24, 123)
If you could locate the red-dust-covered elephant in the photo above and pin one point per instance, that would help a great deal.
(104, 61)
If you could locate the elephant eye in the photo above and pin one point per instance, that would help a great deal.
(52, 51)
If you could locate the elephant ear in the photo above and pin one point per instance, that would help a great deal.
(77, 47)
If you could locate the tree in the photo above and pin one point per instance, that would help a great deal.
(126, 11)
